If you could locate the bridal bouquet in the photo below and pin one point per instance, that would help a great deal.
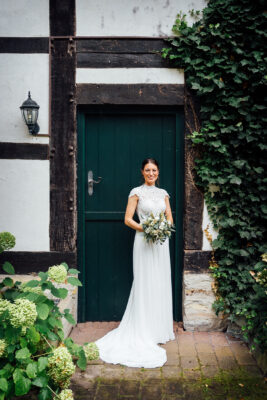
(157, 228)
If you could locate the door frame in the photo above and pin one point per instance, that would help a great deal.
(179, 186)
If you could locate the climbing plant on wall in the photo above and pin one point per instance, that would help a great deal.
(224, 58)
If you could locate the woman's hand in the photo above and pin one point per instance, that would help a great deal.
(129, 213)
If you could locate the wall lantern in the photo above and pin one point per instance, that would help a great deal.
(30, 110)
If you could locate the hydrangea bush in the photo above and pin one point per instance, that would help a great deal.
(30, 323)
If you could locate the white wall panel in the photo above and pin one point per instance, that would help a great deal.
(24, 203)
(24, 18)
(130, 17)
(19, 74)
(129, 75)
(214, 233)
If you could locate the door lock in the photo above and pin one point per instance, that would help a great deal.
(91, 182)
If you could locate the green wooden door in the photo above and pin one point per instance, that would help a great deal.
(112, 144)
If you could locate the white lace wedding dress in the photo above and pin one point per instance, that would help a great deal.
(147, 319)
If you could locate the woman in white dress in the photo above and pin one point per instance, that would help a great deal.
(147, 319)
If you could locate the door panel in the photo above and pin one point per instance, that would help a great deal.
(113, 144)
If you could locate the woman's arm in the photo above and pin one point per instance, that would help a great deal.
(129, 213)
(168, 211)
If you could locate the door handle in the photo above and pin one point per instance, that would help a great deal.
(91, 182)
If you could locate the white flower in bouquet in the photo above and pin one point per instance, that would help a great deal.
(157, 229)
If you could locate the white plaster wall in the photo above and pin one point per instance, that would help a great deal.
(24, 203)
(130, 17)
(129, 75)
(207, 221)
(24, 18)
(19, 74)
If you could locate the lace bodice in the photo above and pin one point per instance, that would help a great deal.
(151, 199)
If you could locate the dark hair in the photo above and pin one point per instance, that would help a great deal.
(152, 161)
(149, 160)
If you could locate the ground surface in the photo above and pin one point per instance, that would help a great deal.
(200, 365)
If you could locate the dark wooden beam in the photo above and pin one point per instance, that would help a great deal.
(24, 151)
(63, 147)
(26, 262)
(108, 60)
(193, 196)
(121, 45)
(62, 17)
(196, 261)
(24, 45)
(149, 94)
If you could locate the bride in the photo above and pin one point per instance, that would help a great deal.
(147, 319)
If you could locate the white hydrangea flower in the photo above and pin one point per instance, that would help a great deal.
(37, 289)
(57, 273)
(22, 313)
(61, 367)
(65, 394)
(2, 347)
(91, 351)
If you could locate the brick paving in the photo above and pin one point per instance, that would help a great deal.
(192, 356)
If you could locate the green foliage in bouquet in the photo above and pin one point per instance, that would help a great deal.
(33, 351)
(157, 228)
(224, 57)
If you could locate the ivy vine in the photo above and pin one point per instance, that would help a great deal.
(224, 57)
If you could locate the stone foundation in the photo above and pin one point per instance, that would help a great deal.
(198, 297)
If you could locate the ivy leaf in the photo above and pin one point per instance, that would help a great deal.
(3, 384)
(42, 311)
(236, 180)
(8, 268)
(74, 281)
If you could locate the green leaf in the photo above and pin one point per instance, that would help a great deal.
(70, 319)
(3, 384)
(74, 281)
(8, 282)
(235, 180)
(42, 363)
(82, 362)
(8, 268)
(73, 271)
(43, 276)
(23, 354)
(33, 335)
(31, 370)
(61, 293)
(65, 265)
(40, 381)
(22, 386)
(52, 336)
(32, 283)
(45, 394)
(42, 310)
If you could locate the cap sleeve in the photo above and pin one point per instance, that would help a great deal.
(134, 191)
(165, 193)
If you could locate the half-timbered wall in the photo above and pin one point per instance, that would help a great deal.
(66, 53)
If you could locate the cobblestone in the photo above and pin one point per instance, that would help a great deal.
(192, 358)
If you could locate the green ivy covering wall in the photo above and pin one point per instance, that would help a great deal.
(224, 58)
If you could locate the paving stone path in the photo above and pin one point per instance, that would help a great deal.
(193, 358)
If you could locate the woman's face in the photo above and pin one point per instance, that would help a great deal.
(150, 173)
